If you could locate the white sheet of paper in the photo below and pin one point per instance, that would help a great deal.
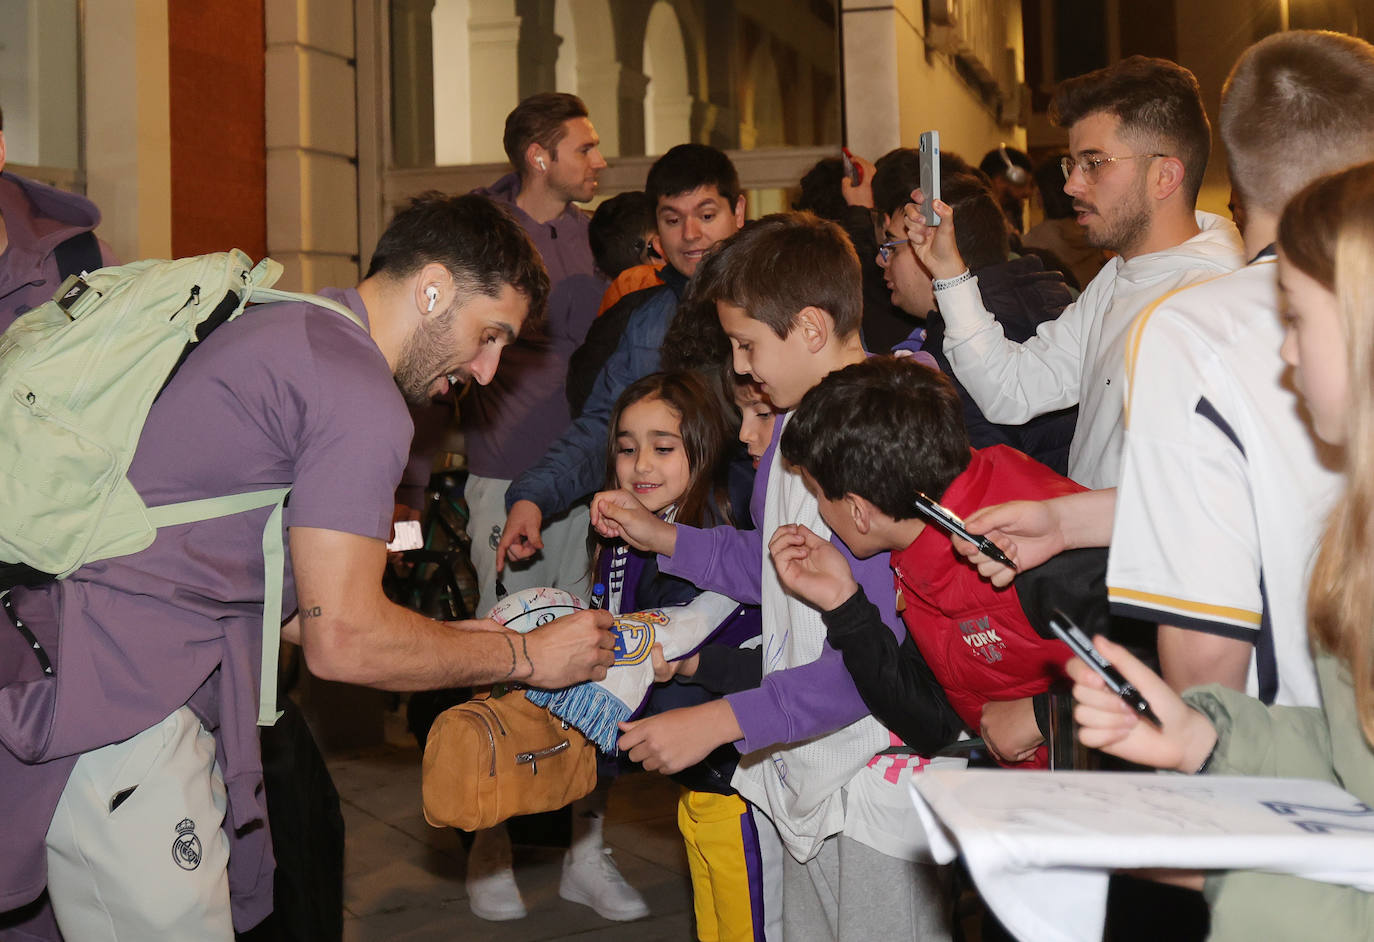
(409, 536)
(1040, 845)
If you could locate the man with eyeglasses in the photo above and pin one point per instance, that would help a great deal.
(1139, 141)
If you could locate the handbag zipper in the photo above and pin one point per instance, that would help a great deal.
(494, 718)
(491, 740)
(531, 758)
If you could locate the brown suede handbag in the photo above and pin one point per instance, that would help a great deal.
(494, 757)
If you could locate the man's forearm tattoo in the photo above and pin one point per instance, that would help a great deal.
(514, 660)
(312, 612)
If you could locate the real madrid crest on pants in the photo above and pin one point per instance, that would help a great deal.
(186, 847)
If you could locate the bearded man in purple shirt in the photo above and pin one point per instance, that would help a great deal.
(132, 779)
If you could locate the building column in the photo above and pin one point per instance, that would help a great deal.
(873, 32)
(599, 88)
(128, 125)
(631, 88)
(493, 64)
(312, 148)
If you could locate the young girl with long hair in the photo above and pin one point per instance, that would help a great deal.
(1326, 273)
(671, 447)
(668, 447)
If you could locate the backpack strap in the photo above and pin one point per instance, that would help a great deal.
(274, 572)
(77, 254)
(259, 294)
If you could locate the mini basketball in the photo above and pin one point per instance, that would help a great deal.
(529, 608)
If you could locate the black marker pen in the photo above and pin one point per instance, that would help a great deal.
(945, 519)
(1082, 646)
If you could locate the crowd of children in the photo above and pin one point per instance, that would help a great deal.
(813, 715)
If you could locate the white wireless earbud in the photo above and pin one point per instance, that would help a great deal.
(433, 294)
(540, 161)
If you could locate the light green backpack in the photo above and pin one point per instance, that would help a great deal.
(77, 378)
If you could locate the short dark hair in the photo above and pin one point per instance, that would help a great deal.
(539, 119)
(994, 166)
(820, 190)
(477, 240)
(1049, 178)
(1158, 103)
(617, 231)
(882, 429)
(686, 167)
(898, 172)
(778, 265)
(980, 229)
(1297, 105)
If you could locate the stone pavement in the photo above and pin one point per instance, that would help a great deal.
(403, 880)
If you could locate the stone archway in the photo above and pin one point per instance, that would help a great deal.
(762, 106)
(587, 64)
(667, 100)
(475, 46)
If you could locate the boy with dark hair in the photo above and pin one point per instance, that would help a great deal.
(620, 233)
(787, 293)
(1020, 293)
(866, 441)
(697, 202)
(1139, 140)
(687, 168)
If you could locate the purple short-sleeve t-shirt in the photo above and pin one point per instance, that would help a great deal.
(286, 395)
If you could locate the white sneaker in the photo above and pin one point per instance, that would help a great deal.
(492, 893)
(594, 881)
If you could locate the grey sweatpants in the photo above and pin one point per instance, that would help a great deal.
(850, 892)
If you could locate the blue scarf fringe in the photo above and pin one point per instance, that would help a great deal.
(593, 709)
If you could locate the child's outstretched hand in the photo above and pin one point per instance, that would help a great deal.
(618, 515)
(811, 568)
(669, 742)
(665, 670)
(1184, 739)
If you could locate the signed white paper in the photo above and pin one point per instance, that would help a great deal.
(1040, 845)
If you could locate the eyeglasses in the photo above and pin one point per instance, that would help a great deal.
(885, 250)
(1090, 164)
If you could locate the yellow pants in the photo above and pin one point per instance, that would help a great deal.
(724, 860)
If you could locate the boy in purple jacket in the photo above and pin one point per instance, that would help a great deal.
(787, 289)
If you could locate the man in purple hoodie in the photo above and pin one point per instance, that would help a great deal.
(509, 424)
(41, 228)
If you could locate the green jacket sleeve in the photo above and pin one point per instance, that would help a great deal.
(1289, 742)
(1248, 905)
(1254, 739)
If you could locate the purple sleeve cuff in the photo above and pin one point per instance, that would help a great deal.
(798, 703)
(819, 697)
(721, 559)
